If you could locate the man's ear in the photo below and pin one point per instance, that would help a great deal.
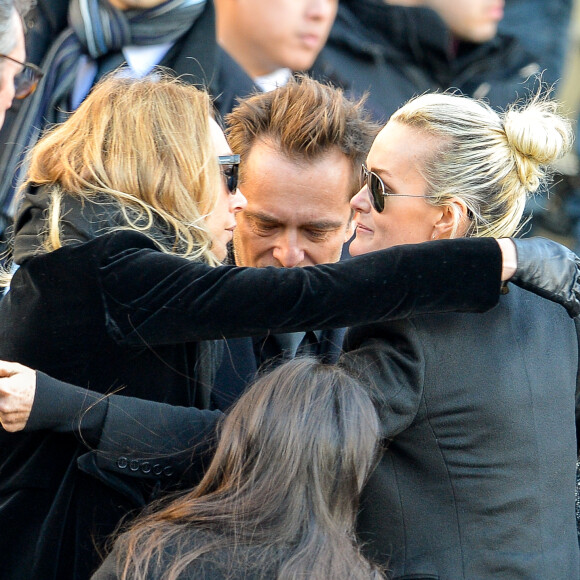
(453, 222)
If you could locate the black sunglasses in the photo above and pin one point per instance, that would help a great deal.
(229, 166)
(26, 81)
(377, 190)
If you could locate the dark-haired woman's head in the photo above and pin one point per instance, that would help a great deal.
(283, 486)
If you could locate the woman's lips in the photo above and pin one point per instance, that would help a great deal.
(312, 41)
(362, 228)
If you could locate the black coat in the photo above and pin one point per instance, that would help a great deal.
(481, 441)
(244, 357)
(479, 414)
(397, 52)
(116, 313)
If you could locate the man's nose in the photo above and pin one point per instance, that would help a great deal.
(238, 201)
(319, 9)
(289, 253)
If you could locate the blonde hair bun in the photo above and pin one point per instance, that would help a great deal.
(538, 136)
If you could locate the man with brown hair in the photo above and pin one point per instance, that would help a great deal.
(301, 147)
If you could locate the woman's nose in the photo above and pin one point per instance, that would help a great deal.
(238, 201)
(361, 201)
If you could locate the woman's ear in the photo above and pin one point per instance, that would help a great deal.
(453, 222)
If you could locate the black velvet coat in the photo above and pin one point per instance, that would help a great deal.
(113, 312)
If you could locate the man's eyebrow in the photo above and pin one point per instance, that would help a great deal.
(323, 225)
(315, 225)
(263, 217)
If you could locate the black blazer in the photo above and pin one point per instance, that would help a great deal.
(479, 414)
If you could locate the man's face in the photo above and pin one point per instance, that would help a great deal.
(298, 213)
(274, 34)
(9, 69)
(471, 20)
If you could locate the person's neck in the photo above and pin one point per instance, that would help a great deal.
(274, 80)
(238, 51)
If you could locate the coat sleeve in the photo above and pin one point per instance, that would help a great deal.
(158, 298)
(126, 436)
(156, 441)
(388, 359)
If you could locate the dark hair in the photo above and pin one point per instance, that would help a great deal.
(305, 119)
(282, 490)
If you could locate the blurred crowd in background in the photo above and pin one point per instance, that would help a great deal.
(391, 49)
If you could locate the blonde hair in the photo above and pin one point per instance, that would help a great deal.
(145, 145)
(282, 488)
(492, 161)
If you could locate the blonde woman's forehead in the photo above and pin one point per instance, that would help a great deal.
(219, 139)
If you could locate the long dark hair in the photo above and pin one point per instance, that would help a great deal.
(282, 488)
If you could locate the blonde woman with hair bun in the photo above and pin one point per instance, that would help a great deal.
(480, 412)
(487, 163)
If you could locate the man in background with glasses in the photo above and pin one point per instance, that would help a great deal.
(18, 79)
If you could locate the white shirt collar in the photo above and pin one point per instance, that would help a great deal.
(276, 79)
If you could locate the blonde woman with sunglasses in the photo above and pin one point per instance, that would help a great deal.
(126, 214)
(479, 412)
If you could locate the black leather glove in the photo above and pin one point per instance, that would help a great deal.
(550, 270)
